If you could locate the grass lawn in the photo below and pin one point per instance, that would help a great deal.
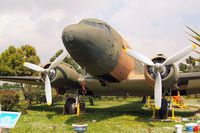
(125, 116)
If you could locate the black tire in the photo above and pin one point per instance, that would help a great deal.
(144, 99)
(68, 106)
(163, 112)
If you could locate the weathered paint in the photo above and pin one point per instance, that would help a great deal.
(65, 76)
(124, 67)
(101, 54)
(136, 86)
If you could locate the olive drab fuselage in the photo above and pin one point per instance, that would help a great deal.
(98, 48)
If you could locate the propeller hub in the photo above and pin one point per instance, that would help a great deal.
(164, 70)
(50, 72)
(159, 67)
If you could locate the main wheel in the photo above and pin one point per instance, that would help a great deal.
(163, 112)
(70, 106)
(144, 99)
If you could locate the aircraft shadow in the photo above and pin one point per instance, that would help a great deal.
(54, 108)
(134, 108)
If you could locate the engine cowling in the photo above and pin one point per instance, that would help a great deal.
(168, 73)
(62, 76)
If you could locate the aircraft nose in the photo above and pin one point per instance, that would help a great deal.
(72, 37)
(67, 34)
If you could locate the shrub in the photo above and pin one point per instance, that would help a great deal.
(110, 98)
(9, 100)
(57, 99)
(29, 96)
(90, 99)
(40, 96)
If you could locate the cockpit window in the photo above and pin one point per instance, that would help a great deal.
(107, 30)
(94, 24)
(90, 23)
(100, 25)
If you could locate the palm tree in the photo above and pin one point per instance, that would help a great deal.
(196, 36)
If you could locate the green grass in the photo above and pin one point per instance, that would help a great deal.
(126, 116)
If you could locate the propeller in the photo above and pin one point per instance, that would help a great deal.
(47, 72)
(159, 67)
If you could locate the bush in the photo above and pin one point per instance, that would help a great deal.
(108, 98)
(90, 99)
(9, 100)
(29, 96)
(40, 96)
(57, 99)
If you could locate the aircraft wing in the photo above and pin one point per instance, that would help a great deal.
(136, 86)
(189, 82)
(23, 79)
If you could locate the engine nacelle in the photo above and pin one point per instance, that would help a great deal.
(63, 76)
(168, 74)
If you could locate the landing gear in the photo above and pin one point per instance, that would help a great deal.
(70, 106)
(144, 99)
(163, 112)
(73, 103)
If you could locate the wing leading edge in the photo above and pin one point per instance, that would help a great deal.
(136, 86)
(23, 79)
(189, 82)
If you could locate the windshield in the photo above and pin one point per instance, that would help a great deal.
(99, 25)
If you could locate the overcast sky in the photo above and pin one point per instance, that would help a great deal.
(149, 26)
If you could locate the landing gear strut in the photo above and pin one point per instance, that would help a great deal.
(163, 112)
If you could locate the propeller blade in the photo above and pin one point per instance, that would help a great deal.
(139, 57)
(48, 90)
(58, 60)
(178, 55)
(33, 67)
(158, 91)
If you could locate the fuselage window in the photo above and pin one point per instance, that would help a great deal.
(107, 30)
(90, 23)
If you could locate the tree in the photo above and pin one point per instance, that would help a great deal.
(183, 67)
(190, 66)
(16, 86)
(196, 36)
(191, 61)
(68, 60)
(6, 86)
(12, 59)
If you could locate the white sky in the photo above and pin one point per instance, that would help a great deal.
(149, 26)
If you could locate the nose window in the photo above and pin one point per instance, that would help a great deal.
(100, 25)
(90, 23)
(108, 30)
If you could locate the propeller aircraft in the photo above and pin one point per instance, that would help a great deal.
(115, 69)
